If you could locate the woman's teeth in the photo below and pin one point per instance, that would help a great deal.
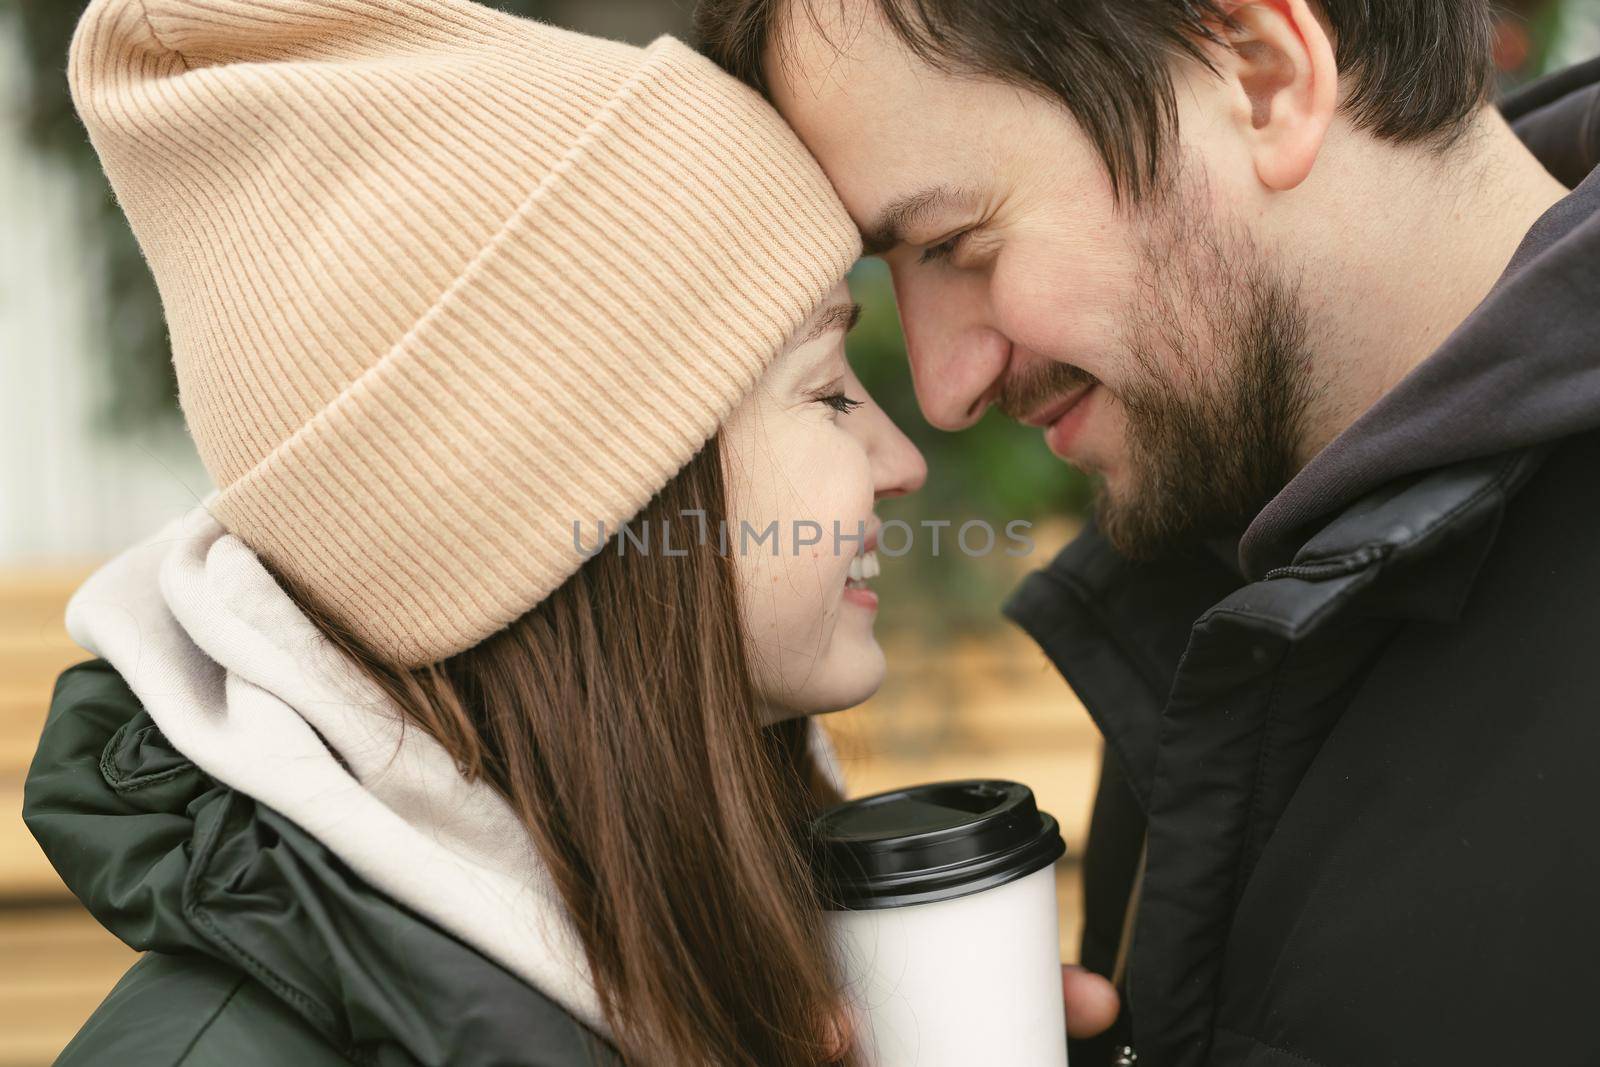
(864, 567)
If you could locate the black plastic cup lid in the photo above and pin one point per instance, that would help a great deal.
(931, 842)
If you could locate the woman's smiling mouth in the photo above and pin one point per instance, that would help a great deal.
(863, 568)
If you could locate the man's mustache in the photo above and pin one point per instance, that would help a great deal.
(1034, 388)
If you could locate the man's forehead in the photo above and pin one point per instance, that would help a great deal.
(821, 52)
(874, 122)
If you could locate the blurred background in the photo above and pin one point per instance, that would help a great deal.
(93, 456)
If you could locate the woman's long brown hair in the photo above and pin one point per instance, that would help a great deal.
(619, 720)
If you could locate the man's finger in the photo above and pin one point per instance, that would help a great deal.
(1092, 1001)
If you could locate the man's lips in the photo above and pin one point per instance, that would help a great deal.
(1047, 415)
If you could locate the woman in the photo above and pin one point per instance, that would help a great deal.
(390, 756)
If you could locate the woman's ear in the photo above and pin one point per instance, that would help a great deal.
(1280, 66)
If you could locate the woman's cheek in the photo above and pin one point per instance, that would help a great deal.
(812, 477)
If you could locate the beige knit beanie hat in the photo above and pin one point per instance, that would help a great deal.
(442, 281)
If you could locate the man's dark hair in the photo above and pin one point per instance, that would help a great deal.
(1411, 70)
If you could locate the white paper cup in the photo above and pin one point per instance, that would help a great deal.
(945, 928)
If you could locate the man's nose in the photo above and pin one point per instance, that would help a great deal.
(957, 358)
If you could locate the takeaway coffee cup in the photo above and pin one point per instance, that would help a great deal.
(943, 909)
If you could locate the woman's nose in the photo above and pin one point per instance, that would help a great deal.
(898, 465)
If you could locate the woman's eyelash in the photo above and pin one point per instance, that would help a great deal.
(944, 249)
(839, 402)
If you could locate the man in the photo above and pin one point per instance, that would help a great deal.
(1322, 323)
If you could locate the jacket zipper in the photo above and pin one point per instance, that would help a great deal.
(1125, 1055)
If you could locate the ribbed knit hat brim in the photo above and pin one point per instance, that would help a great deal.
(417, 460)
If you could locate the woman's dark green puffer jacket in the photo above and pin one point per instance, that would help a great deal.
(262, 948)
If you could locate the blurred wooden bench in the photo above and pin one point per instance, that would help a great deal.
(56, 962)
(34, 649)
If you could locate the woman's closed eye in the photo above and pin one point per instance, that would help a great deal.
(837, 400)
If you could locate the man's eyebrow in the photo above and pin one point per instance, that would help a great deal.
(838, 317)
(889, 228)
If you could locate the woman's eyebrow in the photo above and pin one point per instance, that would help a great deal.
(838, 317)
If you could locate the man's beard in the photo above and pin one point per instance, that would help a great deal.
(1214, 419)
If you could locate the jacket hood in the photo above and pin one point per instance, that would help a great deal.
(1522, 370)
(172, 861)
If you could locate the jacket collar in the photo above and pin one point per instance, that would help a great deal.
(1117, 629)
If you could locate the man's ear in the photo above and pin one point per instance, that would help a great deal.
(1280, 62)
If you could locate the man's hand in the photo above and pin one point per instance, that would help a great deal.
(1092, 1002)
